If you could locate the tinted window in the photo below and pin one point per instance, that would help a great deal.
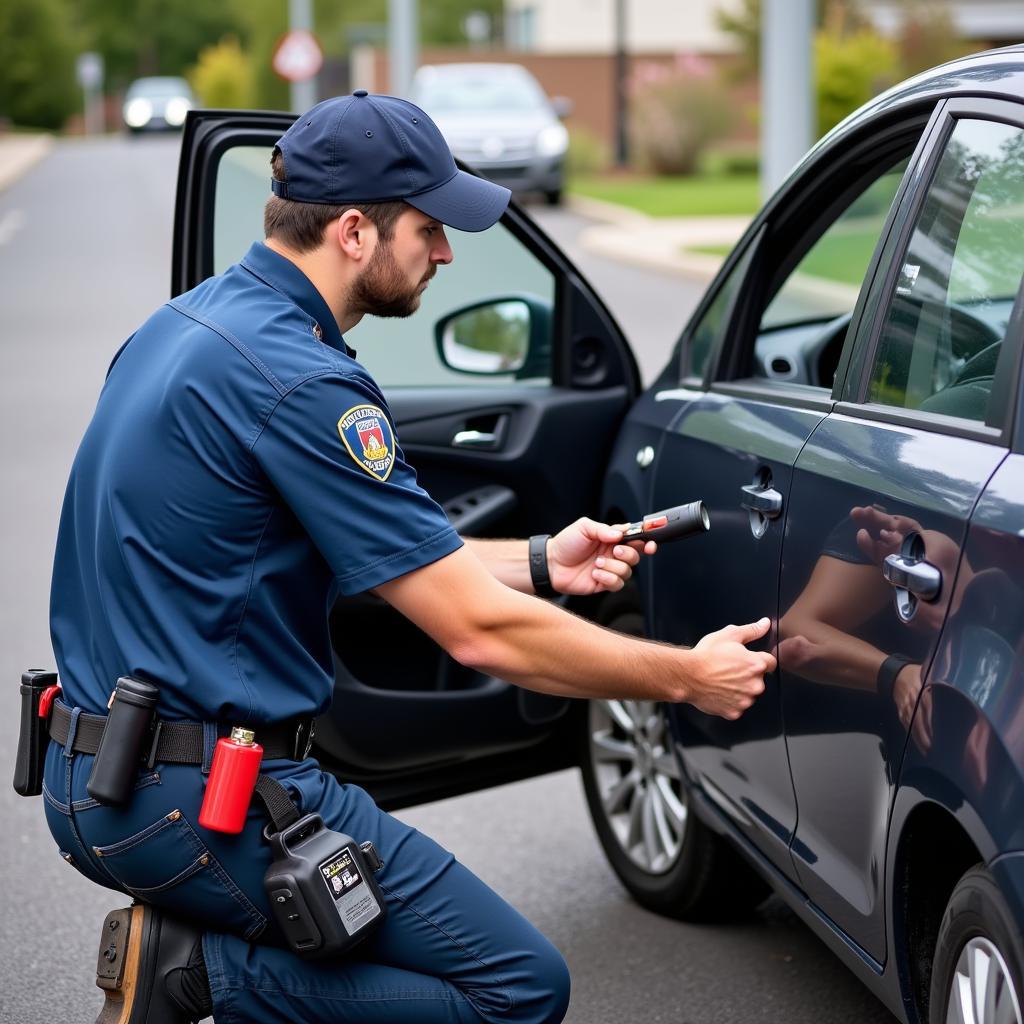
(826, 282)
(952, 299)
(711, 325)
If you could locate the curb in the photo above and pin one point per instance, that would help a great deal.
(19, 153)
(658, 243)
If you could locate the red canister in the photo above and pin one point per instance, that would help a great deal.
(236, 763)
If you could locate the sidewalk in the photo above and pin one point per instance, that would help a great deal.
(18, 153)
(656, 242)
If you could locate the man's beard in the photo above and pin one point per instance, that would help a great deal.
(382, 289)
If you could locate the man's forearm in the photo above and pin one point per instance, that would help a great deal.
(538, 645)
(506, 560)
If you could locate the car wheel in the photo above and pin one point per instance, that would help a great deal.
(979, 957)
(553, 197)
(668, 860)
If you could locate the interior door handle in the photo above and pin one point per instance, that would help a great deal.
(765, 500)
(920, 578)
(474, 439)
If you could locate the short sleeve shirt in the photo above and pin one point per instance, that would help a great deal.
(241, 471)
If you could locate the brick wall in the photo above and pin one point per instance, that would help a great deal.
(586, 79)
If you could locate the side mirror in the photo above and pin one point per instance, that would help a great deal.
(562, 106)
(510, 335)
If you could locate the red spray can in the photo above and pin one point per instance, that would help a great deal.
(236, 763)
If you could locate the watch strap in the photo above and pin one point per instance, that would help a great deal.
(539, 575)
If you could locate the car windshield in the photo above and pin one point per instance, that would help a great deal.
(478, 90)
(159, 87)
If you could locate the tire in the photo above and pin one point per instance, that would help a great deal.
(668, 860)
(553, 197)
(979, 941)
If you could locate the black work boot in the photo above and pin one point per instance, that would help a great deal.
(151, 969)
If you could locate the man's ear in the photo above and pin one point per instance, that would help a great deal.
(355, 234)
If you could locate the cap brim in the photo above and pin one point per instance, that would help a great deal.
(464, 201)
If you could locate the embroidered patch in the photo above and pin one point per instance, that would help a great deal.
(367, 435)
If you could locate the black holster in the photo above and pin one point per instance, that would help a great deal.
(33, 737)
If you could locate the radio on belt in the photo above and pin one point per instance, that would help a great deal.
(322, 889)
(670, 524)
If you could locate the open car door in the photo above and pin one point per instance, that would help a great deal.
(507, 388)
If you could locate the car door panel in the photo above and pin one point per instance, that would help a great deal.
(505, 457)
(845, 737)
(724, 444)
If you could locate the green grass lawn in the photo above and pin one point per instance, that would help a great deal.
(695, 195)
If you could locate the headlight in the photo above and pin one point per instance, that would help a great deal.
(137, 112)
(553, 140)
(176, 110)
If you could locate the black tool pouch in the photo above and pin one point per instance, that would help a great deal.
(33, 738)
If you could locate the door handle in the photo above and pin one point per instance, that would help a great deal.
(474, 439)
(920, 578)
(765, 500)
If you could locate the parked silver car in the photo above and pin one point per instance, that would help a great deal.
(498, 119)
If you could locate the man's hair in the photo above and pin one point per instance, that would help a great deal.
(301, 226)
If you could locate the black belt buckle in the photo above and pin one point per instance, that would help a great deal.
(302, 743)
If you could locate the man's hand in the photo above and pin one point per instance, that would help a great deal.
(730, 677)
(587, 558)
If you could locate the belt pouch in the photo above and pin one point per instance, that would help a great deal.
(128, 728)
(33, 738)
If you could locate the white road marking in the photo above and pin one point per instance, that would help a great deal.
(10, 224)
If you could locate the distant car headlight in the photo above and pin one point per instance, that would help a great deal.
(553, 140)
(176, 109)
(137, 112)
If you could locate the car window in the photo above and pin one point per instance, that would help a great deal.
(489, 265)
(708, 329)
(826, 282)
(951, 302)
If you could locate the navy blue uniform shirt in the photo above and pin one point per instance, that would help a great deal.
(240, 471)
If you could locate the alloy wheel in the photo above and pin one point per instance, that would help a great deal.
(982, 990)
(639, 781)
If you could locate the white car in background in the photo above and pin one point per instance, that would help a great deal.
(157, 104)
(498, 119)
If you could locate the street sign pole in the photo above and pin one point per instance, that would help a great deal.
(300, 17)
(403, 45)
(89, 70)
(787, 88)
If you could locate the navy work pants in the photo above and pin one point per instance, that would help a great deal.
(450, 949)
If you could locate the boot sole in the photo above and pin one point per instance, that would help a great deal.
(120, 973)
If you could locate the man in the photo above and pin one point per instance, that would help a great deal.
(223, 495)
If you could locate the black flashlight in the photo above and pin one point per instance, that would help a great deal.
(670, 524)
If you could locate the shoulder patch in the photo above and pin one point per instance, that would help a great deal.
(366, 433)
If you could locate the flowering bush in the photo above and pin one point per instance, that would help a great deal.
(676, 111)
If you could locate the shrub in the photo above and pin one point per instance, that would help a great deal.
(587, 153)
(222, 77)
(850, 70)
(675, 113)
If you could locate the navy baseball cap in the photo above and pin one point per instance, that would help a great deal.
(376, 149)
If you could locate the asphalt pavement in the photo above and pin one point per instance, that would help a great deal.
(85, 255)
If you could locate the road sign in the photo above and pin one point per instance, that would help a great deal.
(298, 56)
(89, 69)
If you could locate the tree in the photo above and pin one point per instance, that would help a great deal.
(37, 63)
(152, 37)
(223, 76)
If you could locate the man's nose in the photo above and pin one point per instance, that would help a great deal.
(442, 252)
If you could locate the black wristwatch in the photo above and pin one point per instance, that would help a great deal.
(539, 575)
(887, 673)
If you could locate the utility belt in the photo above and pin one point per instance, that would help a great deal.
(320, 883)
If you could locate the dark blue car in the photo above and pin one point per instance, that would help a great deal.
(846, 402)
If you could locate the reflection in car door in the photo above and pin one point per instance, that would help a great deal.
(407, 721)
(881, 498)
(735, 446)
